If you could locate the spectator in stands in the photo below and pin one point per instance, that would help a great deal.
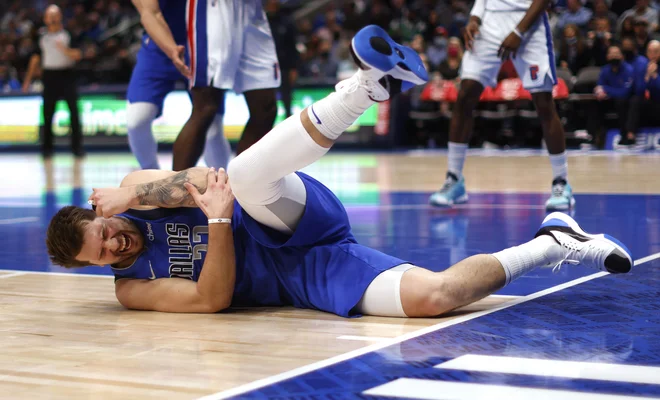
(450, 67)
(323, 65)
(601, 10)
(642, 38)
(574, 14)
(8, 81)
(642, 10)
(651, 108)
(599, 41)
(639, 64)
(573, 52)
(651, 76)
(627, 27)
(614, 89)
(353, 20)
(436, 49)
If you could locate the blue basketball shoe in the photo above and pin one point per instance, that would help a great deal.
(599, 251)
(386, 67)
(562, 196)
(452, 192)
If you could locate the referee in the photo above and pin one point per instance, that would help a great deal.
(59, 81)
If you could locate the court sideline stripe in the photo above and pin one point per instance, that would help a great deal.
(12, 273)
(381, 345)
(18, 220)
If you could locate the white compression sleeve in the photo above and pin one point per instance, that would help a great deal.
(217, 150)
(139, 117)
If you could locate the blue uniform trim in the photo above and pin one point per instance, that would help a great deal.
(201, 75)
(551, 50)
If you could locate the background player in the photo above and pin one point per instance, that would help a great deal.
(231, 47)
(154, 76)
(289, 241)
(499, 30)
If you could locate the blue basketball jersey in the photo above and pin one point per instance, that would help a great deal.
(320, 266)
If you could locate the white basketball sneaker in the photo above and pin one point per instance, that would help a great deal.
(598, 251)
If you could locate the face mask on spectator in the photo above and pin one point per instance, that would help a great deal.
(571, 40)
(452, 52)
(440, 41)
(615, 62)
(629, 55)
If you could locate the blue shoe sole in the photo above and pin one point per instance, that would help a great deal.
(374, 48)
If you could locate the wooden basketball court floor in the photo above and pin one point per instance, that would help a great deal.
(65, 336)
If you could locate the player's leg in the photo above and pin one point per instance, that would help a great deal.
(49, 99)
(71, 97)
(262, 176)
(139, 117)
(479, 68)
(262, 105)
(189, 145)
(423, 293)
(257, 74)
(217, 150)
(209, 48)
(535, 64)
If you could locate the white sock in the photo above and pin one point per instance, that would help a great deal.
(559, 165)
(539, 252)
(217, 150)
(338, 111)
(456, 158)
(139, 117)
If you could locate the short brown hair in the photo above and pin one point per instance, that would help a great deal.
(64, 238)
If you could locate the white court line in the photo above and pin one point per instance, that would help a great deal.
(555, 368)
(647, 259)
(57, 273)
(443, 390)
(381, 345)
(363, 338)
(17, 273)
(18, 220)
(469, 206)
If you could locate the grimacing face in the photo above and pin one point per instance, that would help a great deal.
(109, 241)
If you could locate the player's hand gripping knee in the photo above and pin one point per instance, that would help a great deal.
(111, 201)
(509, 47)
(218, 200)
(470, 31)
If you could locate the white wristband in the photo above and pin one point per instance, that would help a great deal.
(219, 221)
(517, 32)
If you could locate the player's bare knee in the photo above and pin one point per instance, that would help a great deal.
(468, 96)
(545, 105)
(205, 111)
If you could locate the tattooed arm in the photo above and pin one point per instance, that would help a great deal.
(147, 189)
(169, 191)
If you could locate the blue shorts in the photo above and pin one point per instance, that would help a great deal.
(153, 78)
(320, 266)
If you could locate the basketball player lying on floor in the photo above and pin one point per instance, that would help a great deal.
(264, 235)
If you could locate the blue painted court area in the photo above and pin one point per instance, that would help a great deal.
(610, 320)
(613, 321)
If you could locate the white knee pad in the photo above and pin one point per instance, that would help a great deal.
(383, 296)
